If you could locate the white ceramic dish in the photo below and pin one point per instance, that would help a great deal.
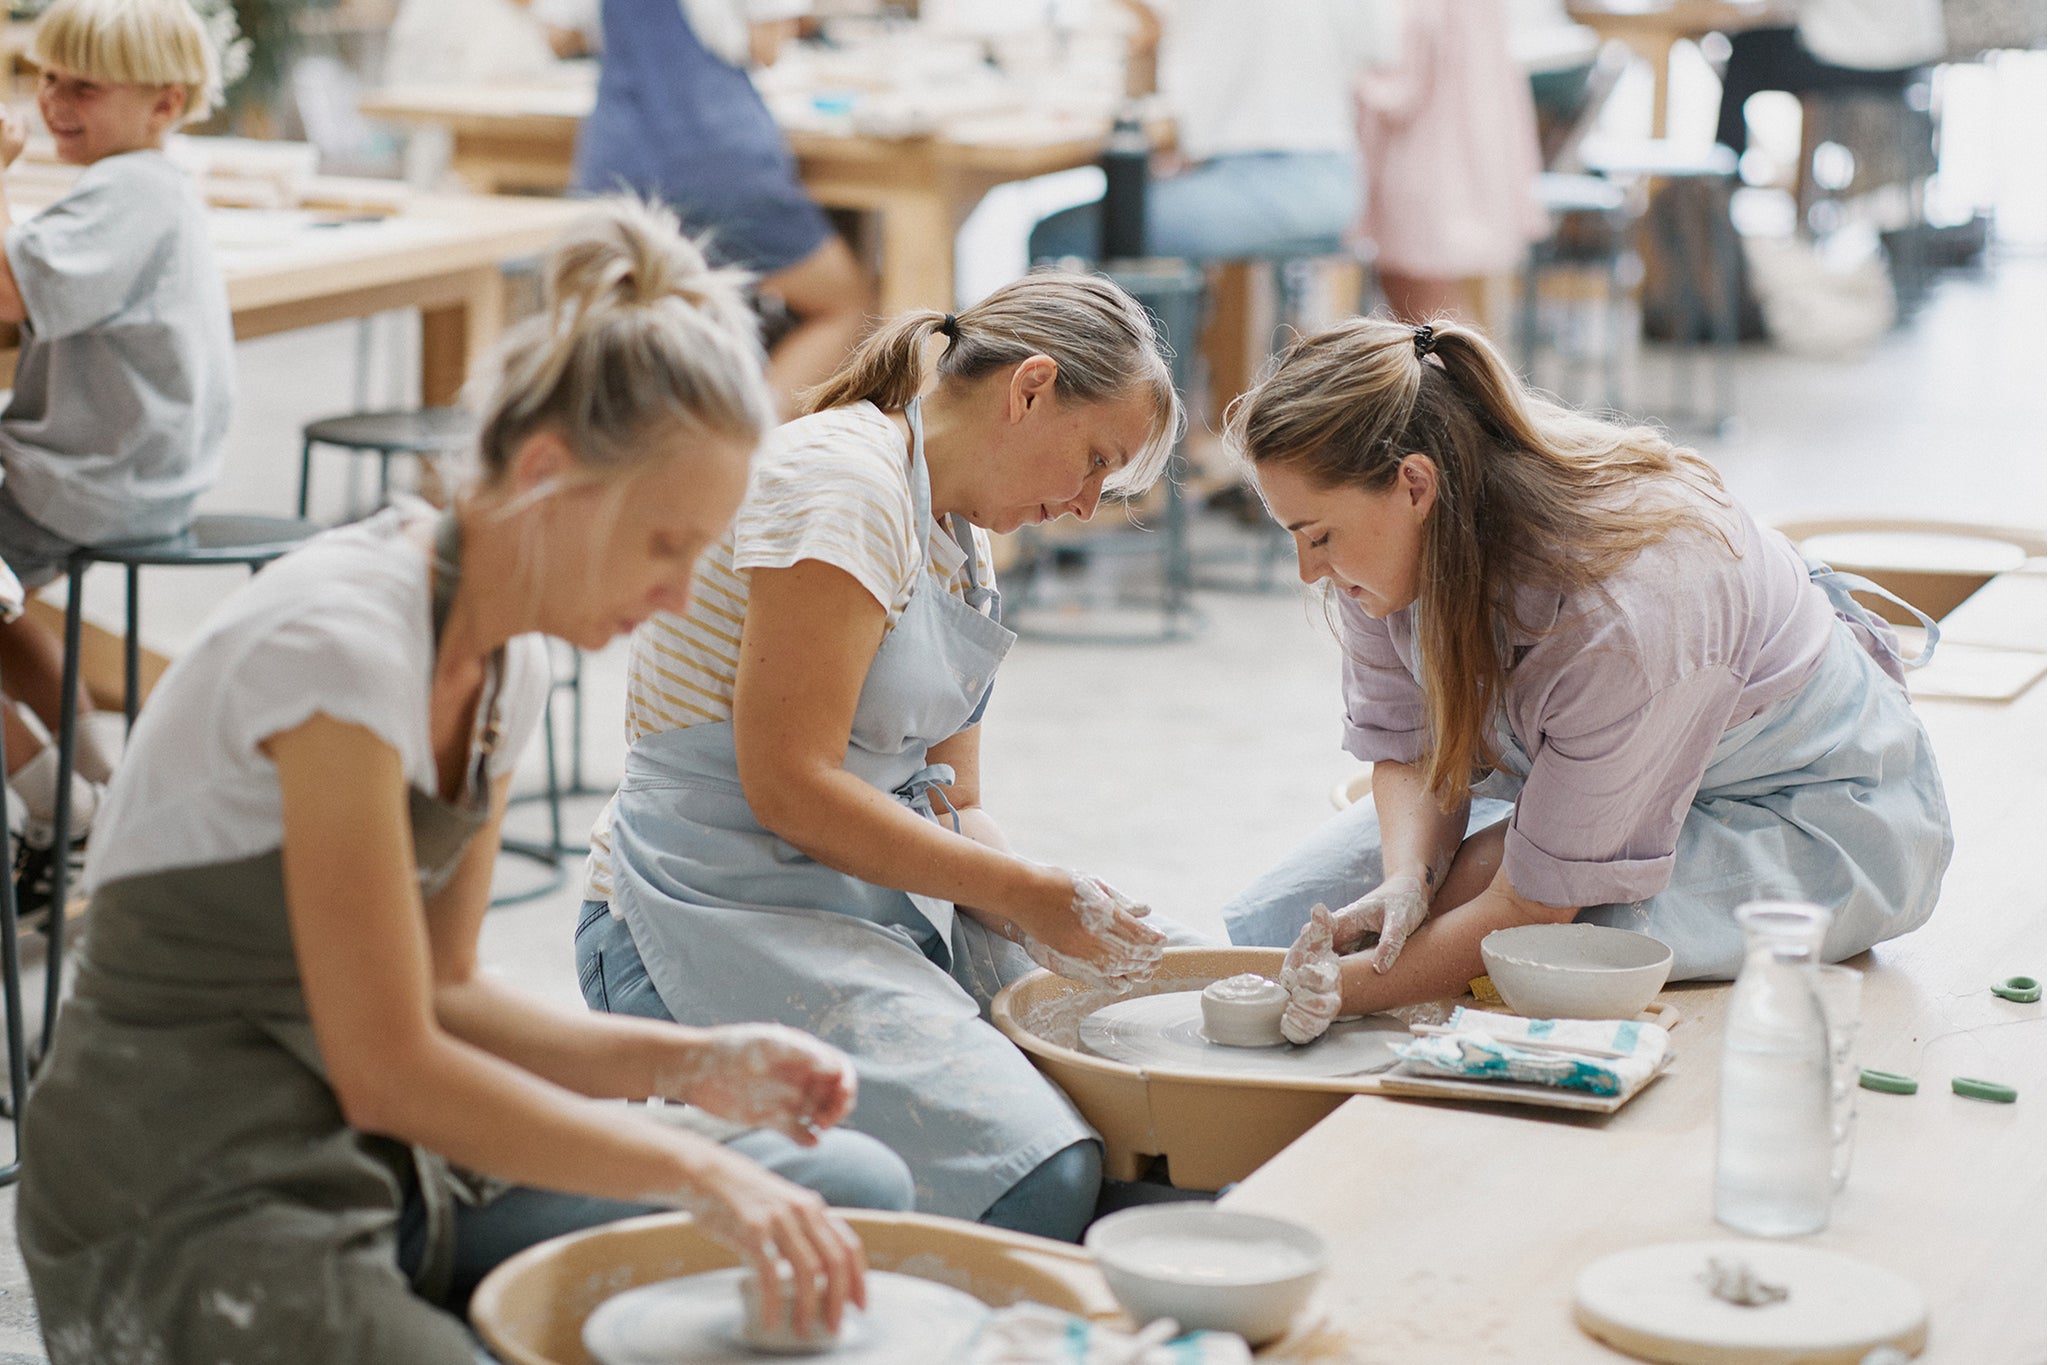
(1208, 1268)
(1575, 971)
(1243, 1011)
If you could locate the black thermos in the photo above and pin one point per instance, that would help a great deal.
(1126, 167)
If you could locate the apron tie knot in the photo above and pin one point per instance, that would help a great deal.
(921, 786)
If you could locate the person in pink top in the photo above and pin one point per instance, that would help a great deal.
(1591, 686)
(1447, 135)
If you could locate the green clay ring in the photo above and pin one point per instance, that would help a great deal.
(1973, 1089)
(1889, 1082)
(2024, 990)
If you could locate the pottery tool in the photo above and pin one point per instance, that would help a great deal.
(1753, 1302)
(698, 1320)
(1164, 1032)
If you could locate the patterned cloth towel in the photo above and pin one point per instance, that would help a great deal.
(1033, 1334)
(1598, 1056)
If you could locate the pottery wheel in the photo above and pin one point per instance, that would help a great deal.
(1165, 1032)
(695, 1320)
(1655, 1303)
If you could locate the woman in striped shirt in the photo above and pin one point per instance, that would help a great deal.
(799, 835)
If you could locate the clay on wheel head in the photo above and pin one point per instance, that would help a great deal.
(1243, 1011)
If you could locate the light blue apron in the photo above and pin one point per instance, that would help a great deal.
(734, 924)
(1831, 796)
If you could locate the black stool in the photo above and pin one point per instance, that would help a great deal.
(405, 431)
(251, 541)
(10, 960)
(423, 432)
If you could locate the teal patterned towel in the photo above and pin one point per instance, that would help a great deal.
(1597, 1056)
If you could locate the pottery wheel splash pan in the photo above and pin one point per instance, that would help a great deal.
(696, 1320)
(1212, 1126)
(1164, 1032)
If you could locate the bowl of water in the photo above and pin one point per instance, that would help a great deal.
(1575, 971)
(1208, 1268)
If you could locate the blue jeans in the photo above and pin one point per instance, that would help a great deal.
(1257, 204)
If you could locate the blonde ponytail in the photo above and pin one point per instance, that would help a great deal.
(1104, 342)
(637, 331)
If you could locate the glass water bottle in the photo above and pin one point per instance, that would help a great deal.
(1771, 1169)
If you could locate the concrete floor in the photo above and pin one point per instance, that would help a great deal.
(1179, 770)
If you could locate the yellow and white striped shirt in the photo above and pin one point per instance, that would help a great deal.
(834, 487)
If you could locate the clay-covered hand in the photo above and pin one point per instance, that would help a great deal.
(764, 1075)
(13, 136)
(769, 1221)
(1312, 980)
(1394, 909)
(1102, 941)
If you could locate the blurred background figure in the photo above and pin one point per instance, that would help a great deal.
(1447, 132)
(1873, 45)
(1265, 158)
(677, 118)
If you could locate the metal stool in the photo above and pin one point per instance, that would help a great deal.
(1593, 222)
(251, 541)
(11, 600)
(423, 432)
(1292, 269)
(1716, 252)
(404, 431)
(1171, 291)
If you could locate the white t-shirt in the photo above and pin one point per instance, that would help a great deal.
(121, 400)
(833, 487)
(1270, 76)
(342, 627)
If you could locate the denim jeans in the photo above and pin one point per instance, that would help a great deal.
(1262, 204)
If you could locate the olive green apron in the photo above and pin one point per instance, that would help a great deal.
(190, 1188)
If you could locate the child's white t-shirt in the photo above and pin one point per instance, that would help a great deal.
(126, 377)
(342, 627)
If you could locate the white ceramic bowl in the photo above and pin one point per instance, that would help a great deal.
(1575, 971)
(1208, 1268)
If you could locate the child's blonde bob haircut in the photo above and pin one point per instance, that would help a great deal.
(140, 42)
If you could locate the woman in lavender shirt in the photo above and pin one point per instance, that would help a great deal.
(1591, 685)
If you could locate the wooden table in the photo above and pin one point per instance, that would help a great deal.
(1457, 1230)
(1653, 27)
(921, 188)
(441, 254)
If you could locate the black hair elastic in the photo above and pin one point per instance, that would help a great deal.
(1425, 340)
(949, 327)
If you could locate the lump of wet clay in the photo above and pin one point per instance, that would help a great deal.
(780, 1337)
(1243, 1011)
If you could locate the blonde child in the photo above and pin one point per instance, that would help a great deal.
(122, 390)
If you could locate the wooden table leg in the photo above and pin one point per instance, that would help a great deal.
(917, 251)
(453, 336)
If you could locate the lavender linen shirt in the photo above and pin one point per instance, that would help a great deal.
(1618, 694)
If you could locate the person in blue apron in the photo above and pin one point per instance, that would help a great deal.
(799, 836)
(677, 118)
(284, 1118)
(1673, 712)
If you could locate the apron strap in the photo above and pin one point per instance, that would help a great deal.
(1838, 586)
(436, 1273)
